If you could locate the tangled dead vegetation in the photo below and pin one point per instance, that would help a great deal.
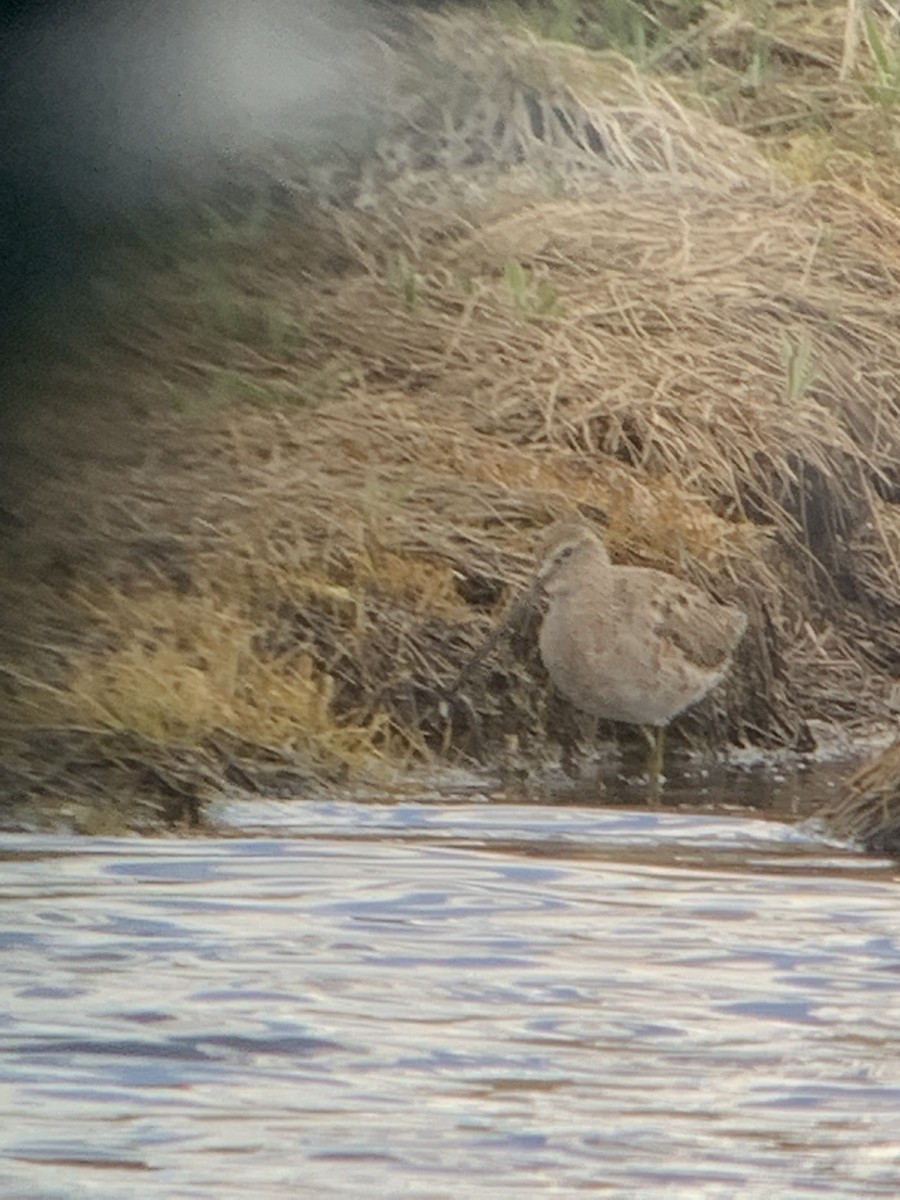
(868, 811)
(329, 455)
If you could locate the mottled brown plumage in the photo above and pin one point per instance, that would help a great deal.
(629, 644)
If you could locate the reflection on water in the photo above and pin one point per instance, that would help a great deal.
(439, 1000)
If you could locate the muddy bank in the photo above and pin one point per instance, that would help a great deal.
(292, 474)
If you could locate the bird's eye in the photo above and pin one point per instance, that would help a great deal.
(565, 552)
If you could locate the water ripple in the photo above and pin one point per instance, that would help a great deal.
(449, 1000)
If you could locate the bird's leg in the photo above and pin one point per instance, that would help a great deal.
(656, 740)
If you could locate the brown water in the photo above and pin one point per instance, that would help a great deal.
(449, 999)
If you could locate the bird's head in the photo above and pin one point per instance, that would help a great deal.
(569, 547)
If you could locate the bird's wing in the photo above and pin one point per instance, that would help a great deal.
(700, 628)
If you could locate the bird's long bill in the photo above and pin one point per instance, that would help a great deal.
(525, 601)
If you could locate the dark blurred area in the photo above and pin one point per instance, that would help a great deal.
(120, 123)
(108, 110)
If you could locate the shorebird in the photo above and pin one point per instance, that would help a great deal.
(629, 644)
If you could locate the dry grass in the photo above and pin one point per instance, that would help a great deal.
(868, 810)
(781, 73)
(637, 319)
(178, 670)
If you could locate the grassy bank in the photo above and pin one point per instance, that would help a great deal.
(289, 472)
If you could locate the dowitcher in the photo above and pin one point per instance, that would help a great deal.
(629, 644)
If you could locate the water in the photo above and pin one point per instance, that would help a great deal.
(451, 1000)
